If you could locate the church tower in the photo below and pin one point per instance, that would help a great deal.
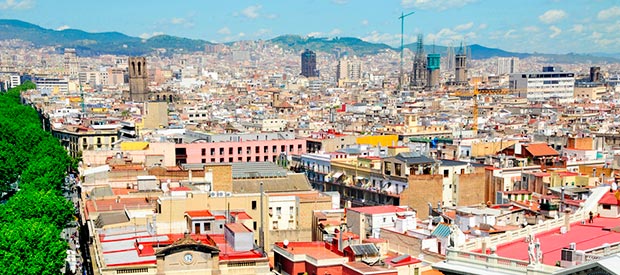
(138, 79)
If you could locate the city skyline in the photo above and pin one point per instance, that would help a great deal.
(549, 26)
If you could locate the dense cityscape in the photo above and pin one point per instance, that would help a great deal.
(304, 155)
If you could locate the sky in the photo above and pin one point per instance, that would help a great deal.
(544, 26)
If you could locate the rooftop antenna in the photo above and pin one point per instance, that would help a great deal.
(402, 45)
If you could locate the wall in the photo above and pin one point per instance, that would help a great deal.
(384, 140)
(422, 190)
(470, 187)
(401, 242)
(222, 151)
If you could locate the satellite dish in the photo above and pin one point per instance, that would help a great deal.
(140, 247)
(285, 242)
(614, 186)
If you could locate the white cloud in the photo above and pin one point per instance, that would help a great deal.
(387, 38)
(315, 34)
(181, 21)
(531, 29)
(482, 26)
(463, 27)
(577, 28)
(149, 35)
(435, 4)
(63, 27)
(177, 21)
(552, 16)
(251, 11)
(16, 5)
(609, 13)
(510, 34)
(271, 16)
(596, 35)
(365, 22)
(262, 32)
(556, 31)
(224, 30)
(335, 32)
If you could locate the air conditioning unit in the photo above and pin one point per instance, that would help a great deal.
(212, 194)
(221, 194)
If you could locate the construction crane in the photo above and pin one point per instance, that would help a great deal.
(474, 95)
(402, 46)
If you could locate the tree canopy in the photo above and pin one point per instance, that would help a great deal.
(33, 218)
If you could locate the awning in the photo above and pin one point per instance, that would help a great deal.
(337, 175)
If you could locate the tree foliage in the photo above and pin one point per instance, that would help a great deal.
(31, 220)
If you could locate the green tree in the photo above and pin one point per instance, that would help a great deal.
(31, 247)
(46, 206)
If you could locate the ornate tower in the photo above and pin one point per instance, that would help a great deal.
(419, 73)
(138, 79)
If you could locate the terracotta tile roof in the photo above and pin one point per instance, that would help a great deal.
(541, 149)
(609, 199)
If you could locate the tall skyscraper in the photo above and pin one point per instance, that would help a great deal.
(71, 65)
(419, 73)
(308, 64)
(595, 74)
(348, 69)
(138, 79)
(507, 65)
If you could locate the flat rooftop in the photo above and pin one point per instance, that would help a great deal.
(585, 236)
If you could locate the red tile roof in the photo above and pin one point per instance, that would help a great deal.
(199, 213)
(609, 199)
(541, 149)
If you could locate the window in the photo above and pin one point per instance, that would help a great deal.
(254, 225)
(239, 150)
(257, 149)
(446, 173)
(283, 148)
(290, 148)
(278, 210)
(274, 149)
(212, 151)
(221, 160)
(207, 226)
(266, 149)
(606, 206)
(257, 158)
(253, 205)
(204, 151)
(291, 210)
(221, 151)
(230, 151)
(230, 159)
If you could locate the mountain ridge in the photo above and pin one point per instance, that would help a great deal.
(113, 42)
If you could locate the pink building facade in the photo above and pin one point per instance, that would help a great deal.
(238, 151)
